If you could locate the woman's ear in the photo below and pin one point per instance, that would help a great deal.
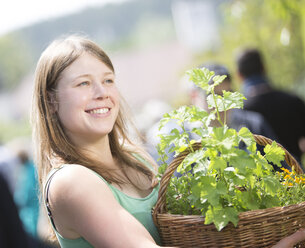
(53, 103)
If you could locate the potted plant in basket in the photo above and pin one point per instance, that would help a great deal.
(226, 196)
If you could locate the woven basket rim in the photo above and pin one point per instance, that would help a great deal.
(248, 213)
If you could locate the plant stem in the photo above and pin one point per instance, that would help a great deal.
(216, 107)
(225, 113)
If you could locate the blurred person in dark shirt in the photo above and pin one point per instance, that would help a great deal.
(285, 112)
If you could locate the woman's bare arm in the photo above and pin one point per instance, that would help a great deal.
(83, 205)
(291, 240)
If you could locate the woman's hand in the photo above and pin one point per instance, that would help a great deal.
(291, 240)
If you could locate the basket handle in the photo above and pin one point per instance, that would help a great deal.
(161, 202)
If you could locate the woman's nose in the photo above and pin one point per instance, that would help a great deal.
(99, 91)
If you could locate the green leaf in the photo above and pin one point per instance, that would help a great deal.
(251, 180)
(194, 157)
(197, 188)
(201, 167)
(191, 158)
(211, 153)
(201, 78)
(269, 201)
(200, 132)
(229, 100)
(221, 216)
(262, 163)
(218, 79)
(221, 188)
(219, 133)
(197, 114)
(228, 143)
(175, 141)
(207, 190)
(166, 118)
(242, 161)
(213, 101)
(234, 177)
(217, 163)
(224, 137)
(274, 153)
(271, 185)
(233, 100)
(248, 200)
(212, 196)
(246, 136)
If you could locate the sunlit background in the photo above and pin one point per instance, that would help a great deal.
(152, 43)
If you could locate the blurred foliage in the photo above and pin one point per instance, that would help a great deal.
(144, 34)
(131, 24)
(114, 26)
(12, 129)
(276, 27)
(15, 60)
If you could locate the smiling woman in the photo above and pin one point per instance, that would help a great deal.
(80, 133)
(98, 186)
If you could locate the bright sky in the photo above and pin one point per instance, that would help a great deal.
(16, 13)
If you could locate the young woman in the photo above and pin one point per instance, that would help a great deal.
(98, 186)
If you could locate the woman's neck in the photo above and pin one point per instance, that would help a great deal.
(97, 149)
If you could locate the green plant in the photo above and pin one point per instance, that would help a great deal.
(220, 180)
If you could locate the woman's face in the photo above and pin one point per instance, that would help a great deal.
(88, 100)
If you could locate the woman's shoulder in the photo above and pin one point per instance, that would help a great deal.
(73, 181)
(74, 192)
(69, 173)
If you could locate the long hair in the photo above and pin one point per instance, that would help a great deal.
(52, 147)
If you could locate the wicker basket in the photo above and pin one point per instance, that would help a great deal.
(257, 228)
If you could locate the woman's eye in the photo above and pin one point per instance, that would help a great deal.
(83, 83)
(109, 81)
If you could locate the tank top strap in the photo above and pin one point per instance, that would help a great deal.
(46, 194)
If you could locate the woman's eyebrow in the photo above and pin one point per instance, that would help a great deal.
(89, 75)
(108, 73)
(82, 75)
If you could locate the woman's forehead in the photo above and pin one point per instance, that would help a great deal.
(86, 64)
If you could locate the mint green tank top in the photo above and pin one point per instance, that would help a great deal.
(140, 208)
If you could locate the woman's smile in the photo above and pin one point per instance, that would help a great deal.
(99, 112)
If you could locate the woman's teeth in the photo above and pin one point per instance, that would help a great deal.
(99, 111)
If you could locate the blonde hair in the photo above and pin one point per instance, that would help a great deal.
(52, 146)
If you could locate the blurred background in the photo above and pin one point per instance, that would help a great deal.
(151, 43)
